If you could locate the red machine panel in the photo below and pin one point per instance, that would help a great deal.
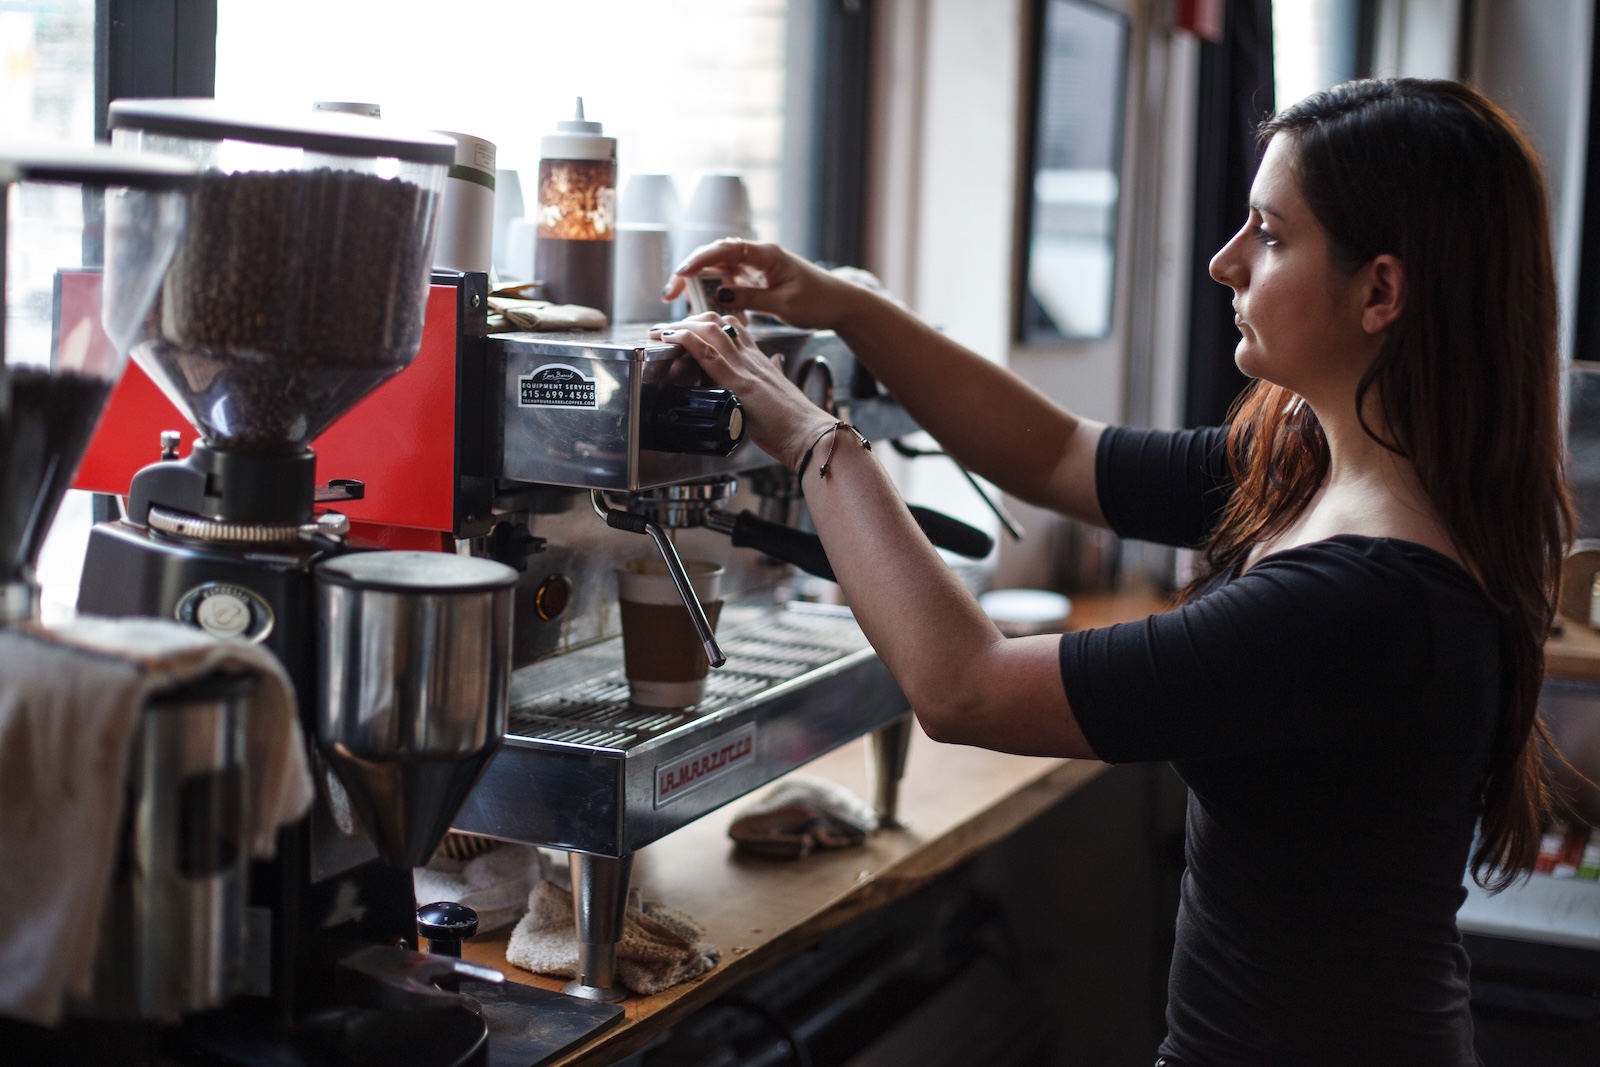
(399, 441)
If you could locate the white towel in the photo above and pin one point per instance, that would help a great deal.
(69, 703)
(494, 884)
(660, 946)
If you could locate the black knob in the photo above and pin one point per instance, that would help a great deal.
(701, 422)
(511, 543)
(445, 925)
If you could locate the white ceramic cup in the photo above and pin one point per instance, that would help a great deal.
(508, 207)
(466, 214)
(720, 200)
(520, 237)
(719, 208)
(644, 262)
(650, 199)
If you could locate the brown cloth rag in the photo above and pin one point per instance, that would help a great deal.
(507, 314)
(660, 946)
(800, 814)
(69, 702)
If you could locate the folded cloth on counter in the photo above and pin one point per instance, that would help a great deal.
(660, 946)
(506, 313)
(69, 702)
(495, 884)
(800, 814)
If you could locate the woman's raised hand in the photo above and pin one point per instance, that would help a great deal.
(769, 279)
(779, 417)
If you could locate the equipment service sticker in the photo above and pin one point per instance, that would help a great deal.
(689, 772)
(555, 385)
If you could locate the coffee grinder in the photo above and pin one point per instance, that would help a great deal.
(170, 930)
(73, 205)
(298, 288)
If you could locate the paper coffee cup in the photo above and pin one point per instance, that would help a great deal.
(662, 656)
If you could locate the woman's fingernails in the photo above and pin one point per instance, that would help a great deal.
(725, 295)
(665, 289)
(668, 333)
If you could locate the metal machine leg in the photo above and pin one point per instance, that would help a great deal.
(889, 747)
(599, 900)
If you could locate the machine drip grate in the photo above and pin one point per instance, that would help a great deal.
(597, 714)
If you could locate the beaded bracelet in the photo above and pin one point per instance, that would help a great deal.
(822, 471)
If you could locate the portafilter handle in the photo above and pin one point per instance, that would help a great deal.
(627, 520)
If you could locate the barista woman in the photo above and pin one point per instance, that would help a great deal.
(1350, 685)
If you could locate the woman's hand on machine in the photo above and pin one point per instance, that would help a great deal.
(769, 279)
(777, 414)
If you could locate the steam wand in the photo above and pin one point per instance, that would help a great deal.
(1013, 527)
(627, 520)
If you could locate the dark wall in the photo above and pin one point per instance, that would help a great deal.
(1235, 95)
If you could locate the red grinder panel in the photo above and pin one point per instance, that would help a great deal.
(399, 441)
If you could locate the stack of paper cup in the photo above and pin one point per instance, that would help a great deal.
(508, 209)
(646, 217)
(466, 215)
(644, 263)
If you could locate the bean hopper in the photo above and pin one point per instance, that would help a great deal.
(297, 289)
(73, 205)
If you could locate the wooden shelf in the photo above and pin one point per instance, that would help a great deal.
(1574, 654)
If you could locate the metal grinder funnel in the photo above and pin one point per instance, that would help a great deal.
(414, 669)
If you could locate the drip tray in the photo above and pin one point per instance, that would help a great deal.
(584, 769)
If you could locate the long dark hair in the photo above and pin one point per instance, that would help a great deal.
(1466, 384)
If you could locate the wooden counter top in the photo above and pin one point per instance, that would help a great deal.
(954, 801)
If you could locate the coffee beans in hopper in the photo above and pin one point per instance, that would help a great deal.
(292, 295)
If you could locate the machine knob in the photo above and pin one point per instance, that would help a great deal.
(445, 925)
(701, 422)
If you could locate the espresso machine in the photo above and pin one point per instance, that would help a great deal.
(563, 456)
(299, 287)
(619, 453)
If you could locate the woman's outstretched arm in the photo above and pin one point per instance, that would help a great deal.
(967, 683)
(985, 416)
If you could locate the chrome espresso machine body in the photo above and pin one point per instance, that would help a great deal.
(592, 448)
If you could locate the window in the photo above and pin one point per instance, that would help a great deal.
(1071, 252)
(1315, 44)
(685, 87)
(46, 94)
